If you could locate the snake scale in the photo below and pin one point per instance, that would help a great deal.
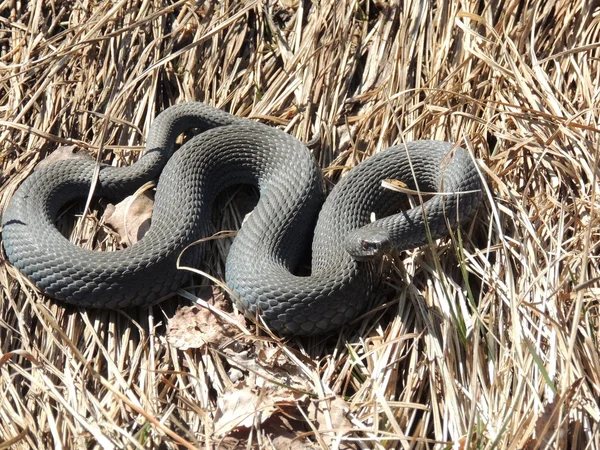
(263, 259)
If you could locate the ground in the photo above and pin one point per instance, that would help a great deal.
(489, 339)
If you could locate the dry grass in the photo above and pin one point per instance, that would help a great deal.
(489, 342)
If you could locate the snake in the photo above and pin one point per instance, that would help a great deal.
(344, 234)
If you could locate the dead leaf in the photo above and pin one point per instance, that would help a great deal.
(284, 435)
(400, 186)
(461, 443)
(550, 431)
(290, 441)
(62, 153)
(266, 365)
(242, 406)
(130, 218)
(195, 326)
(290, 3)
(28, 356)
(272, 390)
(330, 417)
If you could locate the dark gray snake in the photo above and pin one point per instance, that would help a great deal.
(265, 254)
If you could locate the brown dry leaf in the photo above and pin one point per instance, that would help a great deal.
(461, 443)
(28, 356)
(402, 187)
(549, 431)
(270, 383)
(241, 408)
(244, 407)
(62, 153)
(195, 326)
(289, 3)
(330, 417)
(130, 218)
(267, 365)
(290, 441)
(284, 434)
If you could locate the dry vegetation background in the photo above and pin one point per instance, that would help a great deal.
(488, 343)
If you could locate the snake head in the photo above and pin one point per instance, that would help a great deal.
(368, 243)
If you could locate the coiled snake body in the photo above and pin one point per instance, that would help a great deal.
(264, 255)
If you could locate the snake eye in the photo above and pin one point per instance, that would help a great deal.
(366, 245)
